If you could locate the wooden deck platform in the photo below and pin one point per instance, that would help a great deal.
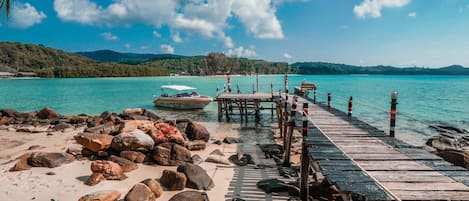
(362, 159)
(243, 104)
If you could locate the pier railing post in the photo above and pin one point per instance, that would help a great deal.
(272, 89)
(329, 98)
(350, 101)
(314, 95)
(229, 83)
(285, 120)
(289, 135)
(238, 90)
(393, 113)
(286, 83)
(305, 161)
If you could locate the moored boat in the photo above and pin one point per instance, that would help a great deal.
(185, 98)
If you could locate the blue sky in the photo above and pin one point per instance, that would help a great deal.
(430, 33)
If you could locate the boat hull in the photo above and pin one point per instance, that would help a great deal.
(182, 103)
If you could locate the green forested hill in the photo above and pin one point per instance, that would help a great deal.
(48, 62)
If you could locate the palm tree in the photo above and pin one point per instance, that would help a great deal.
(6, 4)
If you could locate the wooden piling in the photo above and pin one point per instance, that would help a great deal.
(220, 111)
(305, 160)
(289, 136)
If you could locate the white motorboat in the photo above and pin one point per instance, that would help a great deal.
(185, 98)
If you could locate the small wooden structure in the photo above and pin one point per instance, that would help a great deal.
(304, 88)
(244, 104)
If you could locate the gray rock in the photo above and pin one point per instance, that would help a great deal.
(196, 145)
(50, 160)
(135, 140)
(197, 178)
(190, 195)
(173, 181)
(196, 159)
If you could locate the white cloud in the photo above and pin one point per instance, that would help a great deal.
(258, 16)
(373, 8)
(25, 15)
(145, 47)
(109, 36)
(287, 56)
(207, 18)
(412, 14)
(127, 45)
(177, 38)
(242, 52)
(156, 34)
(167, 49)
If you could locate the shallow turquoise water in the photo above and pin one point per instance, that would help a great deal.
(429, 98)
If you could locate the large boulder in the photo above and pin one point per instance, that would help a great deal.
(22, 163)
(131, 125)
(190, 195)
(101, 196)
(154, 186)
(47, 113)
(441, 142)
(94, 142)
(166, 133)
(50, 160)
(196, 131)
(173, 181)
(140, 192)
(197, 178)
(455, 156)
(171, 154)
(110, 170)
(126, 165)
(134, 156)
(135, 140)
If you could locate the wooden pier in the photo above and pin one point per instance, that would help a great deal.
(244, 104)
(359, 158)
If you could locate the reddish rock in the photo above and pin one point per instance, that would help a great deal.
(94, 142)
(162, 156)
(22, 163)
(171, 154)
(135, 140)
(109, 169)
(126, 165)
(131, 125)
(166, 133)
(50, 160)
(173, 181)
(133, 111)
(47, 113)
(140, 192)
(134, 156)
(101, 196)
(94, 179)
(196, 145)
(154, 186)
(5, 120)
(196, 131)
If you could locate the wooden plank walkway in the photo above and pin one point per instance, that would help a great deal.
(360, 158)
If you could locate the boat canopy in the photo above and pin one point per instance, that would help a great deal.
(177, 87)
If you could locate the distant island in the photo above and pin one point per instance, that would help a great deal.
(17, 59)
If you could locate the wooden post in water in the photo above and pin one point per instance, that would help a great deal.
(350, 101)
(285, 119)
(220, 111)
(305, 161)
(314, 95)
(229, 82)
(238, 90)
(289, 135)
(280, 116)
(329, 97)
(392, 127)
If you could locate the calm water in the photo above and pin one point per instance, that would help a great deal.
(429, 98)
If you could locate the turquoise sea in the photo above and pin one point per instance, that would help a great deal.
(433, 99)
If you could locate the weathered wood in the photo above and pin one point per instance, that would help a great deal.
(432, 195)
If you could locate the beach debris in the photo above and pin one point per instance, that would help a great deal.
(217, 159)
(135, 140)
(232, 140)
(241, 159)
(50, 173)
(105, 170)
(217, 152)
(22, 163)
(173, 181)
(196, 131)
(140, 192)
(271, 149)
(94, 142)
(272, 185)
(47, 113)
(288, 172)
(49, 159)
(196, 145)
(190, 195)
(196, 159)
(126, 165)
(167, 133)
(171, 154)
(134, 156)
(154, 186)
(197, 178)
(217, 142)
(107, 195)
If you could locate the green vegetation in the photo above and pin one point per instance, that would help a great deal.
(330, 68)
(48, 62)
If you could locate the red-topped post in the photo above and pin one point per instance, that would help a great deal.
(329, 98)
(392, 127)
(350, 106)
